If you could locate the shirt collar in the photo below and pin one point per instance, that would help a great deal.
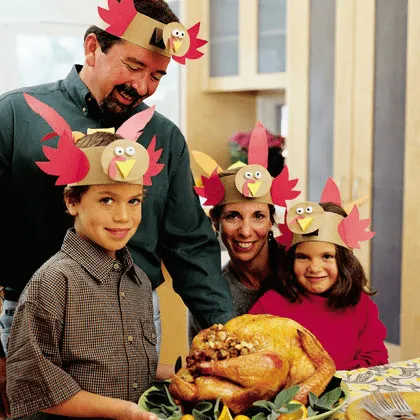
(93, 259)
(79, 92)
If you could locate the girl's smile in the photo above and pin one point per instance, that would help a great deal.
(315, 266)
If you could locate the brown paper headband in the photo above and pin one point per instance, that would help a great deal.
(123, 160)
(171, 40)
(308, 221)
(250, 182)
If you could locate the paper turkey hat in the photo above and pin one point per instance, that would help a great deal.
(308, 221)
(245, 182)
(121, 19)
(123, 160)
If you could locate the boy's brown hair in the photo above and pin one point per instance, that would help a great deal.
(98, 139)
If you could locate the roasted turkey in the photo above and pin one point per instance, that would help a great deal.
(250, 358)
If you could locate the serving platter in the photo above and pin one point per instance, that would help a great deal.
(343, 400)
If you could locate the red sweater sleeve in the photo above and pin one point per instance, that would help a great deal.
(371, 350)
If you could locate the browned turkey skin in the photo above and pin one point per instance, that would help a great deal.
(252, 358)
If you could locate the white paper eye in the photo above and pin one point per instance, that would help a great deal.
(176, 32)
(258, 175)
(119, 151)
(130, 150)
(309, 209)
(300, 210)
(248, 175)
(182, 34)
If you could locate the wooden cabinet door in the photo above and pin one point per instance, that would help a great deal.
(247, 48)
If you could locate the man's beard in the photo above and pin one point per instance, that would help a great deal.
(113, 111)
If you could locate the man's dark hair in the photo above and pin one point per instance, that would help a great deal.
(156, 9)
(351, 279)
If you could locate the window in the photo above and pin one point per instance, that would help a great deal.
(40, 45)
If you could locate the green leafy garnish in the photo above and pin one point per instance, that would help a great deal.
(281, 405)
(326, 402)
(206, 410)
(160, 402)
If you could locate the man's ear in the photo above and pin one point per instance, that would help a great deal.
(90, 46)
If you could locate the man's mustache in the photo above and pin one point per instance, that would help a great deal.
(128, 90)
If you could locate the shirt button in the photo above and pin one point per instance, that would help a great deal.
(122, 294)
(84, 109)
(130, 338)
(135, 385)
(116, 266)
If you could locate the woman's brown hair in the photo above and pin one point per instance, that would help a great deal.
(275, 251)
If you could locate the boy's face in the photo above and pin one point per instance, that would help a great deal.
(108, 215)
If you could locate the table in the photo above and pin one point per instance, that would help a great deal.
(404, 376)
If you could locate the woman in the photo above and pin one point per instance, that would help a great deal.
(243, 214)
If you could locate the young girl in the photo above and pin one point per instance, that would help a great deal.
(83, 341)
(323, 285)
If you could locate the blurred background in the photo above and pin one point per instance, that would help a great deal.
(335, 81)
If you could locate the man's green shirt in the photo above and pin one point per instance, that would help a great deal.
(174, 229)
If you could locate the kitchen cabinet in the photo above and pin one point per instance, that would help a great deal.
(247, 44)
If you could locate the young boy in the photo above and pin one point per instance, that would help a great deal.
(81, 345)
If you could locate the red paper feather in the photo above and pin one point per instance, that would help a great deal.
(118, 16)
(154, 167)
(50, 115)
(331, 193)
(286, 235)
(258, 146)
(282, 188)
(213, 189)
(132, 128)
(67, 161)
(352, 229)
(195, 44)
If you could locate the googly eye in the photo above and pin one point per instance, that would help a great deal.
(300, 210)
(182, 34)
(130, 150)
(248, 175)
(176, 32)
(119, 151)
(309, 210)
(258, 175)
